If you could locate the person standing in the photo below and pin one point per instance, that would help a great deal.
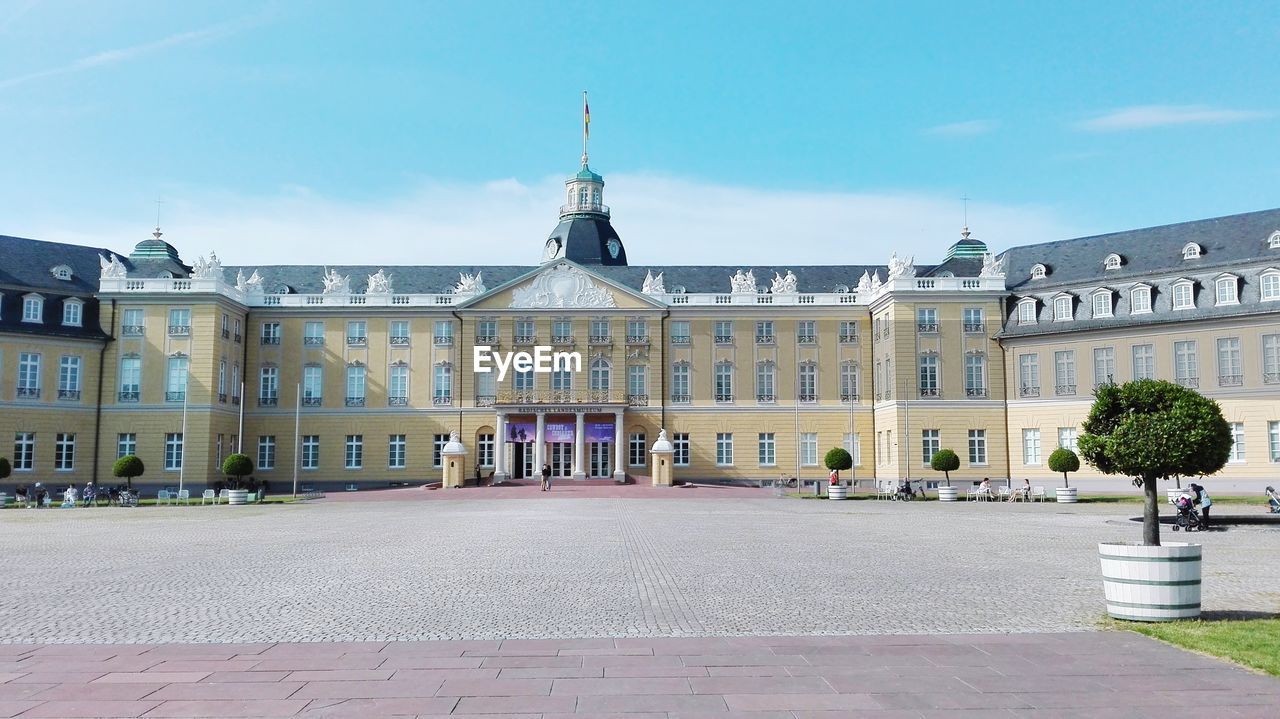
(1206, 502)
(546, 478)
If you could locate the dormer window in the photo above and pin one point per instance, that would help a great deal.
(1027, 311)
(1183, 295)
(72, 313)
(61, 272)
(1039, 272)
(1190, 251)
(33, 308)
(1102, 303)
(1270, 282)
(1274, 241)
(1112, 262)
(1226, 290)
(1140, 300)
(1062, 308)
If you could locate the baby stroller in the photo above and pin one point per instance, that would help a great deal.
(905, 493)
(1188, 516)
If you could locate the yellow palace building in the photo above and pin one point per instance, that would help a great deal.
(358, 375)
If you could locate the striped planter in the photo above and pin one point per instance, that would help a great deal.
(946, 494)
(237, 496)
(837, 491)
(1151, 584)
(1068, 495)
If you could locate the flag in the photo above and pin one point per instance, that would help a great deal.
(586, 117)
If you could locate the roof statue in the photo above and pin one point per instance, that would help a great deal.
(864, 282)
(210, 269)
(875, 281)
(253, 285)
(743, 283)
(112, 269)
(336, 284)
(991, 267)
(453, 436)
(662, 435)
(784, 285)
(901, 268)
(469, 285)
(653, 285)
(379, 284)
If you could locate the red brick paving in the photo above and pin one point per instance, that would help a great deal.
(1089, 674)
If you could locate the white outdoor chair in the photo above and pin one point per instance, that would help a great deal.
(162, 497)
(1005, 492)
(1037, 494)
(972, 494)
(184, 496)
(221, 498)
(884, 490)
(209, 496)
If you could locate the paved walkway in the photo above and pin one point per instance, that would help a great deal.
(560, 489)
(1083, 674)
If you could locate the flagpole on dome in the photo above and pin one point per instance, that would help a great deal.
(586, 126)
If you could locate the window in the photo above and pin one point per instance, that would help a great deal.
(237, 325)
(765, 373)
(1182, 296)
(1102, 303)
(1140, 300)
(443, 335)
(525, 333)
(724, 382)
(398, 385)
(764, 333)
(1230, 367)
(313, 334)
(270, 333)
(1237, 443)
(680, 443)
(1027, 312)
(680, 382)
(486, 388)
(126, 444)
(132, 323)
(561, 380)
(179, 322)
(130, 378)
(1062, 308)
(888, 378)
(929, 376)
(1273, 440)
(442, 391)
(848, 331)
(637, 381)
(222, 379)
(522, 381)
(217, 454)
(269, 387)
(1039, 272)
(600, 332)
(637, 450)
(485, 446)
(1273, 242)
(1271, 359)
(438, 441)
(975, 375)
(312, 385)
(1270, 282)
(807, 381)
(64, 452)
(355, 451)
(69, 377)
(24, 451)
(173, 451)
(680, 332)
(1186, 364)
(310, 451)
(767, 450)
(561, 331)
(806, 331)
(1226, 291)
(600, 371)
(398, 333)
(61, 272)
(1190, 251)
(977, 446)
(809, 449)
(235, 383)
(266, 452)
(33, 308)
(357, 333)
(724, 332)
(853, 445)
(29, 375)
(1064, 371)
(176, 379)
(396, 451)
(927, 319)
(486, 332)
(1031, 446)
(1144, 362)
(1104, 366)
(1029, 375)
(355, 385)
(724, 449)
(1067, 438)
(973, 321)
(1112, 262)
(848, 381)
(637, 331)
(72, 311)
(930, 443)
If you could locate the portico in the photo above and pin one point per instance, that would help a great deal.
(579, 442)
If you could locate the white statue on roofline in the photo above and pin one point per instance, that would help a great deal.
(991, 267)
(336, 284)
(113, 268)
(469, 285)
(784, 285)
(379, 284)
(653, 285)
(743, 283)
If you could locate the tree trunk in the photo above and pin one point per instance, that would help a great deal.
(948, 476)
(1065, 483)
(1150, 513)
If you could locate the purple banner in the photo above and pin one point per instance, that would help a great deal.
(559, 431)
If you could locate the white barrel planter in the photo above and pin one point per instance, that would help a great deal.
(1068, 495)
(946, 494)
(837, 491)
(1151, 584)
(237, 496)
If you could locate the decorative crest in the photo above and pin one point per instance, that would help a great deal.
(561, 286)
(875, 281)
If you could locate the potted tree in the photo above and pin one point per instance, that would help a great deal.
(128, 467)
(1064, 460)
(836, 459)
(945, 461)
(1153, 430)
(238, 466)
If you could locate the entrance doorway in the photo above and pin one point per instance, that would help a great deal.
(522, 460)
(561, 458)
(600, 454)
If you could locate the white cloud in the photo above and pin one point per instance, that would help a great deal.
(968, 128)
(662, 220)
(1144, 116)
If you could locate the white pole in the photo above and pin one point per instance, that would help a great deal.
(297, 439)
(240, 436)
(182, 463)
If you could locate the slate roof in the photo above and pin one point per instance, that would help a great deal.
(26, 263)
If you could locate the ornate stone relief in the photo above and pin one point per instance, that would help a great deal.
(112, 269)
(864, 282)
(561, 286)
(469, 285)
(653, 285)
(743, 283)
(784, 285)
(336, 284)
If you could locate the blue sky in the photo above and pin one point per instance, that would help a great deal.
(753, 132)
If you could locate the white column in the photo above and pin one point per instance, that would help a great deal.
(500, 450)
(540, 445)
(619, 448)
(580, 446)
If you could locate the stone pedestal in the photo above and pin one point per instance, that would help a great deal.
(453, 457)
(663, 461)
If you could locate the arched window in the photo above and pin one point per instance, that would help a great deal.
(1140, 300)
(1102, 303)
(1270, 282)
(1274, 241)
(1112, 262)
(1183, 295)
(600, 371)
(1062, 308)
(1190, 251)
(1039, 272)
(1227, 290)
(1027, 311)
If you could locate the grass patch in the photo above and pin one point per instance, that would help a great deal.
(1138, 499)
(1252, 642)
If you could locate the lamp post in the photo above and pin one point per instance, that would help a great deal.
(297, 438)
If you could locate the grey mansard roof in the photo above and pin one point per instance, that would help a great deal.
(25, 267)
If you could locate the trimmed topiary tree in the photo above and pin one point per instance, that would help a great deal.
(237, 465)
(128, 467)
(1064, 460)
(1153, 429)
(945, 461)
(838, 458)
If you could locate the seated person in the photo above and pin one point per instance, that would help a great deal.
(69, 497)
(1273, 500)
(1024, 491)
(985, 487)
